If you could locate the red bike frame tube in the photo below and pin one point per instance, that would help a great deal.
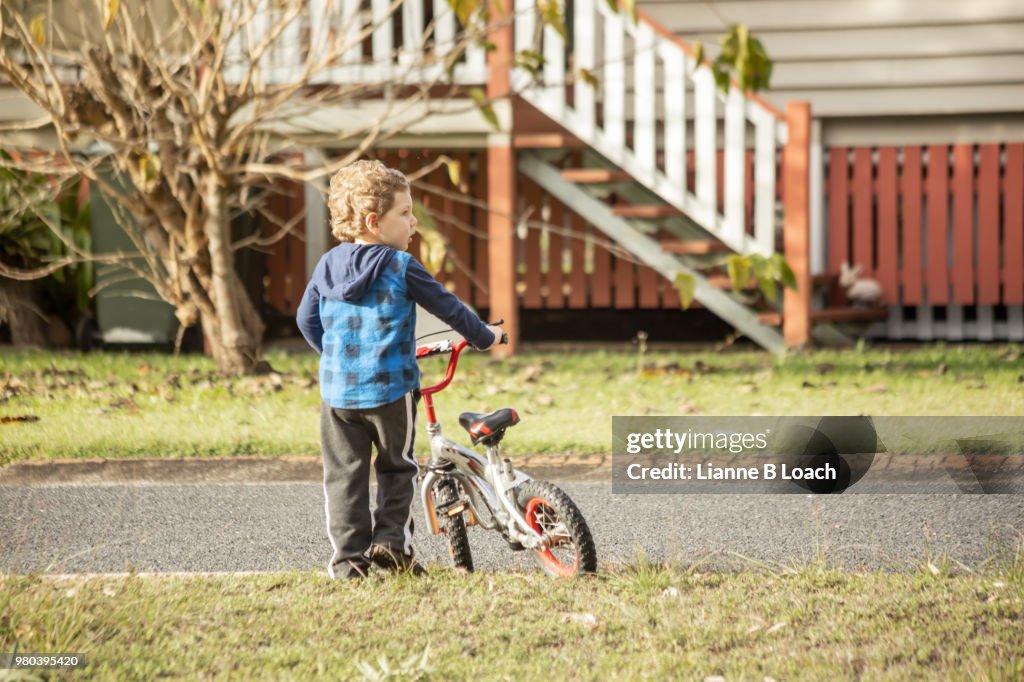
(428, 393)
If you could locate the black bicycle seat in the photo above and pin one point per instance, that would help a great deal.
(489, 427)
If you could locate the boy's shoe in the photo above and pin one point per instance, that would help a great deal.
(395, 562)
(351, 570)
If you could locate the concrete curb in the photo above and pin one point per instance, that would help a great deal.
(308, 469)
(240, 470)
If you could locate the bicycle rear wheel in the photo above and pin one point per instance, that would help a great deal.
(446, 492)
(553, 514)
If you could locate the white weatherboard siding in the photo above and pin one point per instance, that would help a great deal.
(861, 61)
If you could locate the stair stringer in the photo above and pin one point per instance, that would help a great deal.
(650, 252)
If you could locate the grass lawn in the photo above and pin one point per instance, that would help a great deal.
(67, 405)
(646, 622)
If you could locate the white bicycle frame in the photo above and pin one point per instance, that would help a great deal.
(489, 484)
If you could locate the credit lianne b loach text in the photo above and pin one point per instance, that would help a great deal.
(710, 472)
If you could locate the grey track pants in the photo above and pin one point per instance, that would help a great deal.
(347, 437)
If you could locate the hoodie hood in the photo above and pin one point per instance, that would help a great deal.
(349, 270)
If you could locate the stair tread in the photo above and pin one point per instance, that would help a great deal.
(645, 211)
(546, 141)
(595, 175)
(693, 246)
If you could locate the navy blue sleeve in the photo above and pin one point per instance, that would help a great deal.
(445, 305)
(308, 317)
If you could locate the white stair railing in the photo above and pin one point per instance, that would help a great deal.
(645, 59)
(413, 57)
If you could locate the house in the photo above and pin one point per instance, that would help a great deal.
(914, 155)
(892, 138)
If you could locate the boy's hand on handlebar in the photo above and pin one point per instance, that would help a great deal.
(499, 336)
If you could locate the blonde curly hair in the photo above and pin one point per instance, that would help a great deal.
(359, 189)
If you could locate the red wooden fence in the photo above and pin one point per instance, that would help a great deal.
(937, 225)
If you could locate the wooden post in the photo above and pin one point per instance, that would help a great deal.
(501, 192)
(796, 318)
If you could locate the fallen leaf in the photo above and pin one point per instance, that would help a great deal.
(125, 403)
(877, 388)
(531, 374)
(18, 419)
(1011, 354)
(703, 367)
(588, 620)
(544, 400)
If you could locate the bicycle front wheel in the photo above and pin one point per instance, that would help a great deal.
(553, 514)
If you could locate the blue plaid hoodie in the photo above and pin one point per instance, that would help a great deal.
(359, 313)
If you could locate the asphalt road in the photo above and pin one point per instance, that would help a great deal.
(280, 526)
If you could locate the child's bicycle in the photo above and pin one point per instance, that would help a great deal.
(459, 488)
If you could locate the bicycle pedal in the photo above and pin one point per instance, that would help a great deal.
(451, 509)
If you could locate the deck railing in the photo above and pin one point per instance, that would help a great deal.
(401, 43)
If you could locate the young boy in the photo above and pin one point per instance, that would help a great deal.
(359, 313)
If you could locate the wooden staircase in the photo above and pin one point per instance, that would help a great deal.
(639, 241)
(650, 177)
(637, 129)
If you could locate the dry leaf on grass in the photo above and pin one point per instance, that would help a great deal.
(18, 419)
(588, 620)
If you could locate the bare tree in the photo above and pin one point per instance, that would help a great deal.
(184, 112)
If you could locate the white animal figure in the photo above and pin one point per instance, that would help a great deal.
(862, 291)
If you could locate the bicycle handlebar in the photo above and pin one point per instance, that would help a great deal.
(441, 348)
